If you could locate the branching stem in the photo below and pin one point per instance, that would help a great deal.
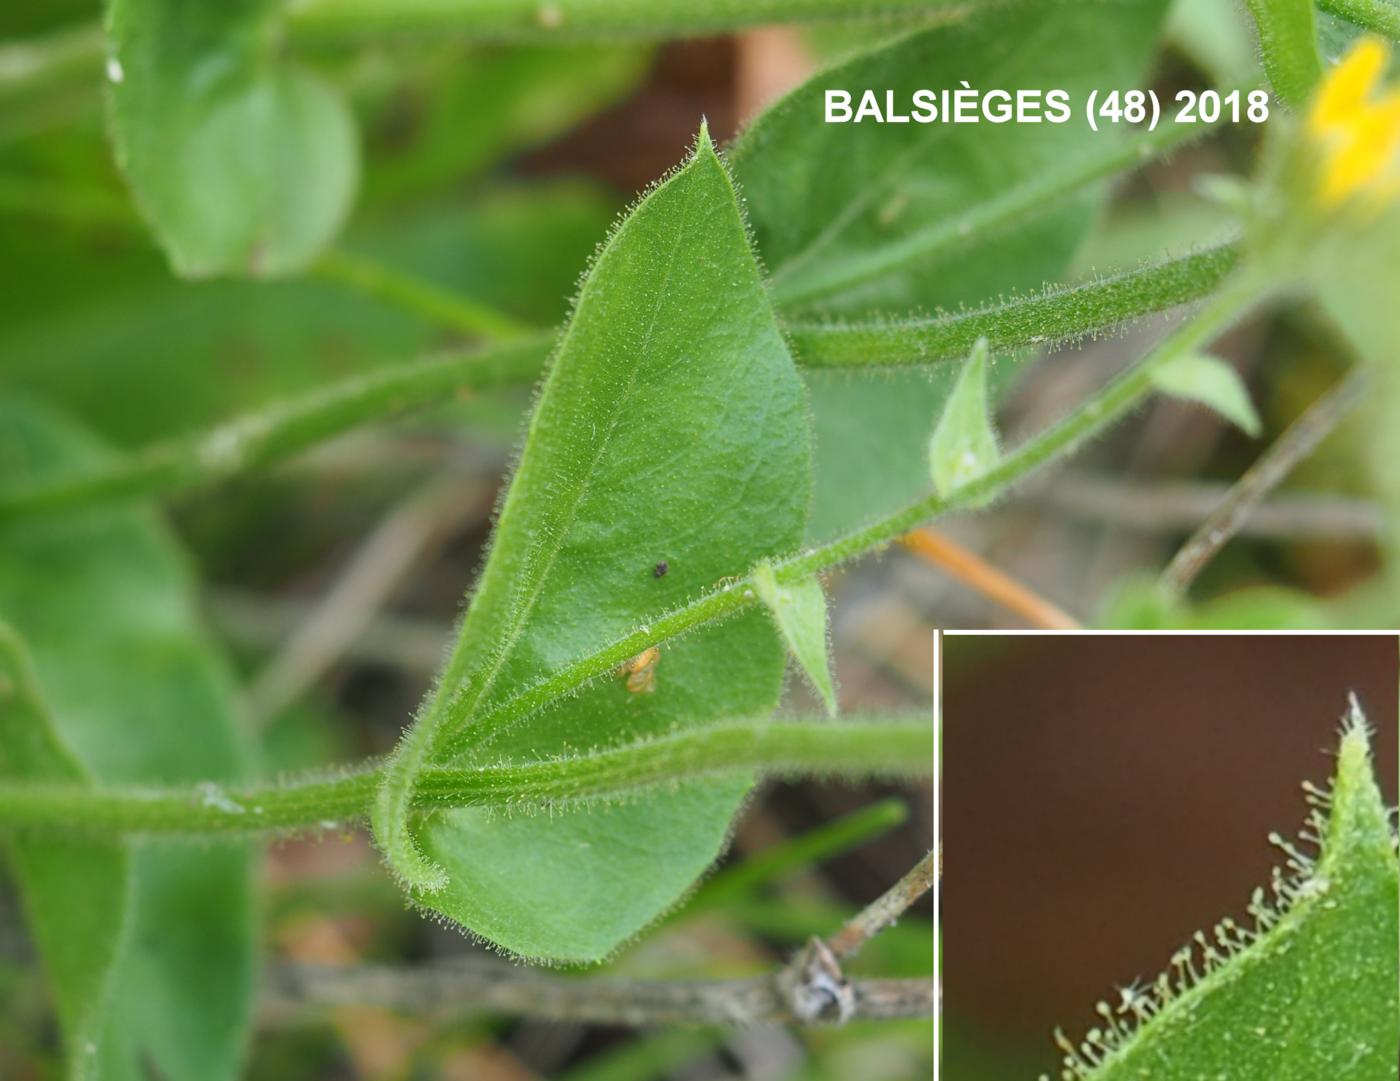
(885, 748)
(1091, 417)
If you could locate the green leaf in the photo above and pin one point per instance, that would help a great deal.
(103, 601)
(74, 889)
(799, 611)
(669, 450)
(1288, 42)
(1199, 377)
(1311, 992)
(868, 219)
(964, 443)
(241, 162)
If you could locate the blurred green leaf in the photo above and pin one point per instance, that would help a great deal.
(104, 604)
(1314, 994)
(450, 113)
(1141, 604)
(1213, 382)
(964, 443)
(874, 218)
(243, 163)
(671, 430)
(106, 351)
(74, 889)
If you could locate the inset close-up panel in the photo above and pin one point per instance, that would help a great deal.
(1107, 797)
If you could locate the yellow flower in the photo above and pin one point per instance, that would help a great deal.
(1358, 129)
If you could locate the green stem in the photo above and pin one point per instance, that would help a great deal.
(1052, 317)
(553, 20)
(255, 439)
(259, 438)
(1288, 42)
(1375, 15)
(1091, 417)
(418, 296)
(876, 748)
(808, 278)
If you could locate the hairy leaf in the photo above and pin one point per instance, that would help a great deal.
(799, 611)
(103, 602)
(1310, 992)
(74, 889)
(872, 218)
(964, 443)
(1199, 377)
(669, 450)
(241, 162)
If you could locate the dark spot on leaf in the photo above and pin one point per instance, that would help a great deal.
(659, 571)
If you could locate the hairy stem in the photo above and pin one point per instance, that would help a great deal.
(261, 438)
(1057, 315)
(876, 748)
(1288, 44)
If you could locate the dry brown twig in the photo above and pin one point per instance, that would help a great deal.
(1298, 441)
(810, 989)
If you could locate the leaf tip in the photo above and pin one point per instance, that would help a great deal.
(703, 143)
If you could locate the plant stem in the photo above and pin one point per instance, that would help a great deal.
(260, 438)
(1052, 317)
(416, 295)
(531, 20)
(1288, 43)
(1092, 416)
(1298, 441)
(1376, 15)
(883, 748)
